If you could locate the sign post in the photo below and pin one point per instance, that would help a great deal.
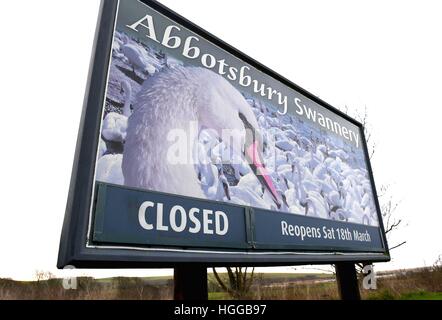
(347, 281)
(192, 154)
(190, 283)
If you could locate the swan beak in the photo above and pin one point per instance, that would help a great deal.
(254, 158)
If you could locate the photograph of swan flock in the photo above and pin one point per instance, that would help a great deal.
(163, 130)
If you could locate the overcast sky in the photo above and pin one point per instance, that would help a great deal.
(382, 55)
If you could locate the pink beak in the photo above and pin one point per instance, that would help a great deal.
(254, 157)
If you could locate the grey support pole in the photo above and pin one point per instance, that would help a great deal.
(347, 281)
(190, 283)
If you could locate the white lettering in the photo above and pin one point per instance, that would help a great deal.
(173, 219)
(142, 215)
(207, 221)
(150, 27)
(219, 215)
(180, 220)
(176, 41)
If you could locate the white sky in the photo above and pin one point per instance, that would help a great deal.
(385, 55)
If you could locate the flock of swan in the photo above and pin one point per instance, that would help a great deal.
(302, 170)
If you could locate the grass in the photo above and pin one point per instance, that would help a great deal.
(418, 295)
(218, 296)
(422, 295)
(303, 291)
(419, 284)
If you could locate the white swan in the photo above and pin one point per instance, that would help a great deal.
(211, 176)
(171, 62)
(102, 148)
(171, 100)
(242, 196)
(317, 204)
(218, 189)
(137, 57)
(115, 124)
(109, 169)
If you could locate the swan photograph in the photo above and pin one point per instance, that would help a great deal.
(185, 130)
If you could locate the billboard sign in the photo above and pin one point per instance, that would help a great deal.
(190, 151)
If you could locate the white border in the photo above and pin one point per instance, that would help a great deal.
(103, 108)
(275, 253)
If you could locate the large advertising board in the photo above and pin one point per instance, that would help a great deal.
(192, 152)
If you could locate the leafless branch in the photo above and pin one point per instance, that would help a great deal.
(398, 245)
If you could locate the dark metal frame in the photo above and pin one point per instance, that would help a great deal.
(73, 245)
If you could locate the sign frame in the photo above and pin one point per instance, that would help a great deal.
(75, 247)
